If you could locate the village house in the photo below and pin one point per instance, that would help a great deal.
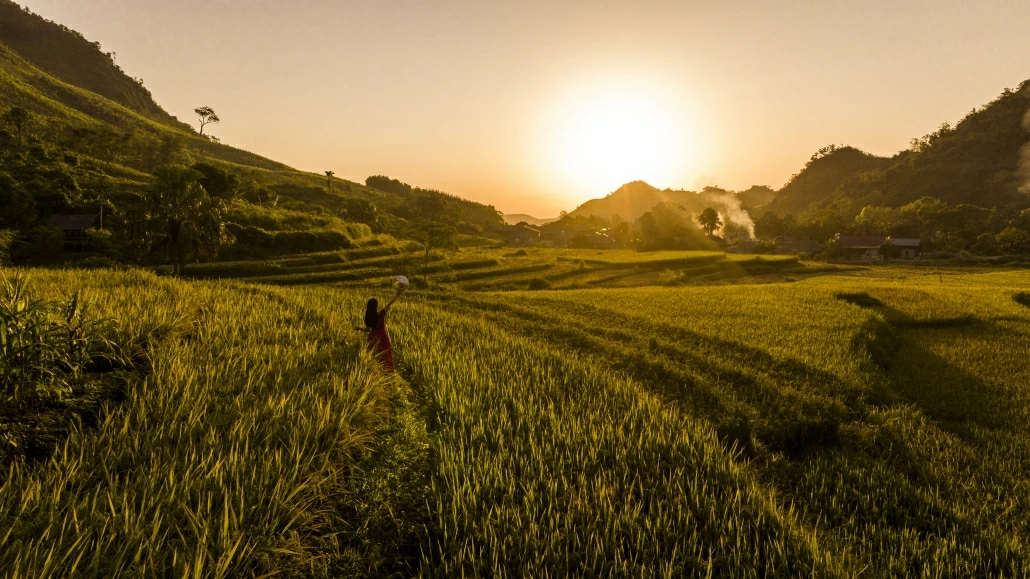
(865, 247)
(518, 234)
(871, 247)
(906, 247)
(74, 227)
(555, 236)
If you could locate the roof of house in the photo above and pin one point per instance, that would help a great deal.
(904, 241)
(860, 241)
(72, 222)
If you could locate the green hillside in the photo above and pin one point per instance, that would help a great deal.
(92, 137)
(69, 57)
(821, 177)
(975, 162)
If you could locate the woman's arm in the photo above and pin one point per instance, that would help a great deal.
(390, 303)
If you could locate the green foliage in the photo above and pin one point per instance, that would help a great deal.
(19, 119)
(182, 219)
(46, 346)
(709, 220)
(667, 226)
(7, 238)
(218, 182)
(100, 240)
(1013, 240)
(43, 242)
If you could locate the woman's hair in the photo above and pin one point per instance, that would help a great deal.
(372, 314)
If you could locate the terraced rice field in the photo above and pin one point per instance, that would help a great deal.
(480, 269)
(866, 423)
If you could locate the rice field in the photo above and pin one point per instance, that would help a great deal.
(508, 269)
(751, 421)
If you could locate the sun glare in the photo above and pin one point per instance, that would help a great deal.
(615, 135)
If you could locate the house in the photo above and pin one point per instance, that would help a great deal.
(518, 234)
(905, 247)
(553, 236)
(860, 246)
(74, 227)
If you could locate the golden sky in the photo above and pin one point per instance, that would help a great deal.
(536, 106)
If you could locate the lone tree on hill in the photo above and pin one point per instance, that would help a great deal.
(432, 235)
(709, 220)
(329, 179)
(207, 116)
(181, 217)
(18, 118)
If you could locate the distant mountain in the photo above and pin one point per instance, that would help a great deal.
(513, 218)
(634, 199)
(984, 160)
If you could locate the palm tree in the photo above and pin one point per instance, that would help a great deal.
(709, 220)
(329, 178)
(18, 118)
(181, 217)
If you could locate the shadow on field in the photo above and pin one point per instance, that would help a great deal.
(746, 392)
(1022, 298)
(896, 343)
(949, 395)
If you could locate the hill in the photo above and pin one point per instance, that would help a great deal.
(634, 199)
(513, 218)
(975, 162)
(824, 173)
(94, 136)
(68, 56)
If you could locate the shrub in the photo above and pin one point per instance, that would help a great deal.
(538, 283)
(44, 241)
(48, 344)
(100, 240)
(7, 238)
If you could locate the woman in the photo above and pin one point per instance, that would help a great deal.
(375, 327)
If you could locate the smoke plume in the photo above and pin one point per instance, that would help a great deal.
(732, 211)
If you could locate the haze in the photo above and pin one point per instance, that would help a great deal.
(536, 107)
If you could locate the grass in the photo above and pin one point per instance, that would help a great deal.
(847, 423)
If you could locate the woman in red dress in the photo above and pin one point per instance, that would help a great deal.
(375, 327)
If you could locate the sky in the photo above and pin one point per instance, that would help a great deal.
(535, 106)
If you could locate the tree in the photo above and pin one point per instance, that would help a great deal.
(181, 217)
(218, 182)
(709, 220)
(432, 235)
(1013, 240)
(207, 116)
(329, 178)
(18, 118)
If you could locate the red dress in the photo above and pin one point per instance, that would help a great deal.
(379, 341)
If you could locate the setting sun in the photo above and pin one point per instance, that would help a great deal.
(606, 136)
